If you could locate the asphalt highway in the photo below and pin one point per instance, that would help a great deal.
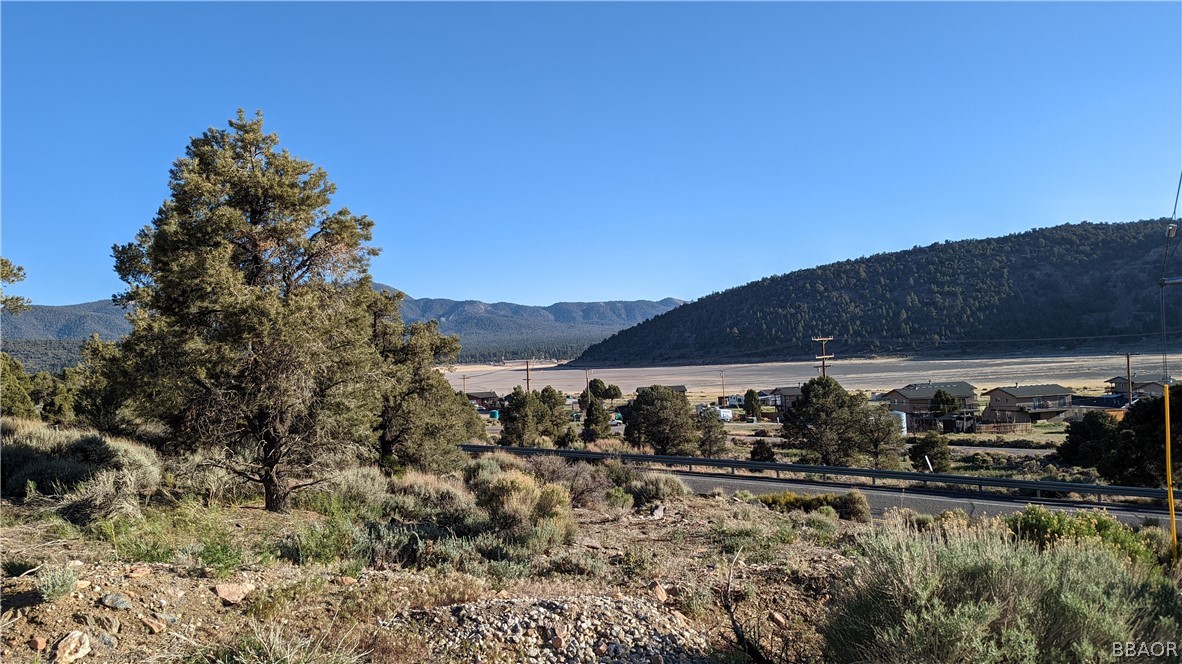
(924, 501)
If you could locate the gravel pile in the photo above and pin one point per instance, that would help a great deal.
(621, 630)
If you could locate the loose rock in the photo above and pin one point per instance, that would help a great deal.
(37, 643)
(154, 626)
(73, 647)
(233, 593)
(117, 601)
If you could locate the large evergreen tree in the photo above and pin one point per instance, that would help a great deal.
(663, 419)
(252, 331)
(822, 421)
(712, 442)
(10, 274)
(14, 389)
(422, 418)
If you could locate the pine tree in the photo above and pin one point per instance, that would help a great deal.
(663, 419)
(252, 331)
(713, 434)
(596, 420)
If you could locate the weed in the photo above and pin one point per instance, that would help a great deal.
(280, 601)
(54, 583)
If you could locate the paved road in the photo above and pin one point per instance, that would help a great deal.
(927, 502)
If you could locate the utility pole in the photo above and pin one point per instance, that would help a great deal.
(587, 380)
(1129, 378)
(824, 367)
(465, 379)
(527, 375)
(722, 375)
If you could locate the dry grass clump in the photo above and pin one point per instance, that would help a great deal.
(585, 483)
(200, 474)
(273, 644)
(651, 487)
(95, 476)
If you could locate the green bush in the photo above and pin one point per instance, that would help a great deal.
(1043, 527)
(762, 451)
(620, 473)
(851, 506)
(978, 596)
(935, 447)
(337, 538)
(14, 568)
(619, 498)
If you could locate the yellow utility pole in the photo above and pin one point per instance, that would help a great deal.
(1165, 391)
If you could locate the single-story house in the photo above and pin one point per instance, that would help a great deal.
(675, 388)
(1028, 403)
(784, 397)
(485, 400)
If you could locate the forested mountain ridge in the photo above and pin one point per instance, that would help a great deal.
(49, 337)
(1055, 285)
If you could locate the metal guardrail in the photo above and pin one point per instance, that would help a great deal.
(1099, 490)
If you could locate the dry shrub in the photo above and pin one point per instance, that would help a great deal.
(584, 482)
(203, 476)
(423, 497)
(657, 486)
(109, 494)
(64, 462)
(526, 514)
(445, 589)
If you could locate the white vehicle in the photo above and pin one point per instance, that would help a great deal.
(724, 414)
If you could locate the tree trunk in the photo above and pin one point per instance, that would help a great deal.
(276, 494)
(276, 491)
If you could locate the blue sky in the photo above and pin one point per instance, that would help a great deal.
(536, 152)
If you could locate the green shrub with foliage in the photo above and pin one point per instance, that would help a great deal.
(1043, 527)
(851, 505)
(933, 446)
(979, 596)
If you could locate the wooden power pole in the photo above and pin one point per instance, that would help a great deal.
(465, 379)
(823, 357)
(527, 375)
(1129, 377)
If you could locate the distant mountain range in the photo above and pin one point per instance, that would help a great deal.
(48, 337)
(1074, 285)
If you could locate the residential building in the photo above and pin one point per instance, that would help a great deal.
(1027, 403)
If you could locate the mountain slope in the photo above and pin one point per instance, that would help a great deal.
(48, 336)
(1055, 285)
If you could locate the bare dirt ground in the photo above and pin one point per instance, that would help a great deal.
(1083, 372)
(173, 611)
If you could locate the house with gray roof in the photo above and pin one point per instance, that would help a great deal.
(915, 401)
(1027, 403)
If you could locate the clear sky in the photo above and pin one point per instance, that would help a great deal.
(536, 152)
